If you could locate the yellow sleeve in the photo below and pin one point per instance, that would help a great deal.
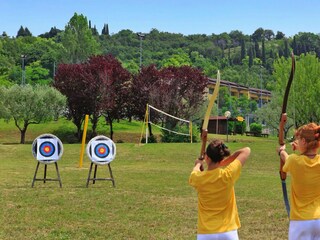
(286, 166)
(233, 170)
(193, 179)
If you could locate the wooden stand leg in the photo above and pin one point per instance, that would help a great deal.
(45, 173)
(89, 174)
(58, 174)
(95, 178)
(95, 173)
(35, 174)
(110, 172)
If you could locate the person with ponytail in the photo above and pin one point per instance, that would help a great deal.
(304, 169)
(217, 210)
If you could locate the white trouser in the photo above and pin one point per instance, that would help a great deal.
(304, 230)
(231, 235)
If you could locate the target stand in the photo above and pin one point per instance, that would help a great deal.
(47, 149)
(101, 150)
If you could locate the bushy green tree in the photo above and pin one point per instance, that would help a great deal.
(78, 40)
(31, 105)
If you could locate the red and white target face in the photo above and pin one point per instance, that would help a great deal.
(101, 151)
(47, 149)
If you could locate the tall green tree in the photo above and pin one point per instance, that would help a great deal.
(303, 97)
(78, 40)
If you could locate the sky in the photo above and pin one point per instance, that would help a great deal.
(174, 16)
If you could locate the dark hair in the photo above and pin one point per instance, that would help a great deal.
(217, 150)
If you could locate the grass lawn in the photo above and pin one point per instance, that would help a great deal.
(151, 200)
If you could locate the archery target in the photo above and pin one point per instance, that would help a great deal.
(47, 148)
(101, 150)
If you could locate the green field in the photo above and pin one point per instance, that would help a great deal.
(151, 200)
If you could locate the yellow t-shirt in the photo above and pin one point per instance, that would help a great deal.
(217, 209)
(305, 186)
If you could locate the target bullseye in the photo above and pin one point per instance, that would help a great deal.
(47, 148)
(101, 150)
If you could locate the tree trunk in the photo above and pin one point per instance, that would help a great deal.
(23, 132)
(94, 122)
(109, 121)
(23, 135)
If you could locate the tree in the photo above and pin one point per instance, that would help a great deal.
(109, 90)
(95, 87)
(263, 57)
(105, 30)
(243, 50)
(72, 80)
(31, 105)
(303, 97)
(258, 35)
(51, 34)
(280, 35)
(176, 90)
(176, 60)
(268, 34)
(270, 114)
(23, 32)
(78, 40)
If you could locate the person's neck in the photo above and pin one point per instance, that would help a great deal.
(310, 153)
(213, 165)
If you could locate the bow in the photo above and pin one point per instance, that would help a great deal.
(204, 130)
(283, 120)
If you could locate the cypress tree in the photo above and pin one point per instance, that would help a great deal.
(263, 54)
(243, 49)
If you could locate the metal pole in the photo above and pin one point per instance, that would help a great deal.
(260, 104)
(227, 114)
(227, 130)
(141, 37)
(140, 52)
(23, 80)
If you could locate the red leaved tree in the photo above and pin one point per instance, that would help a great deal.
(72, 80)
(110, 92)
(96, 87)
(176, 90)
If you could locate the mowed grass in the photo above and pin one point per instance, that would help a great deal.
(151, 200)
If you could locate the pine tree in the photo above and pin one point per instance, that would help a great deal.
(105, 30)
(286, 48)
(243, 50)
(250, 53)
(257, 50)
(21, 32)
(263, 57)
(27, 32)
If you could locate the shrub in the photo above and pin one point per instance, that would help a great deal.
(66, 135)
(240, 127)
(167, 136)
(256, 127)
(151, 139)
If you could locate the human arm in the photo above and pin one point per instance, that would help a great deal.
(282, 152)
(241, 154)
(198, 165)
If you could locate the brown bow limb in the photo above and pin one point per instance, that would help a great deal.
(283, 120)
(283, 117)
(204, 129)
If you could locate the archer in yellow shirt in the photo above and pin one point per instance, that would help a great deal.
(217, 209)
(304, 169)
